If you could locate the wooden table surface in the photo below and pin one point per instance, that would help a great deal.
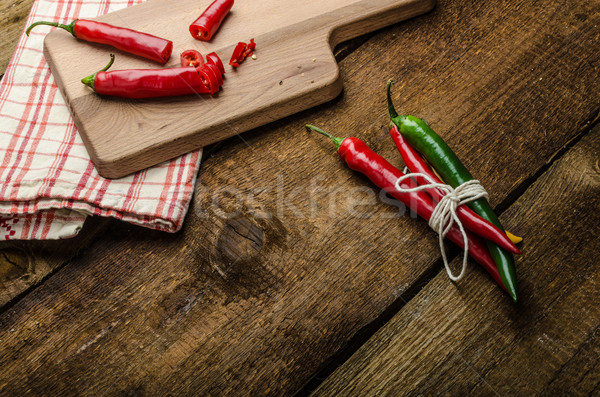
(293, 275)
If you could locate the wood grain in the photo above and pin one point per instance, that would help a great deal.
(466, 340)
(295, 70)
(12, 19)
(286, 254)
(25, 264)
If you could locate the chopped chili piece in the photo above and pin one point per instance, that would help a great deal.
(468, 217)
(191, 58)
(216, 72)
(361, 158)
(138, 43)
(209, 78)
(208, 23)
(241, 52)
(454, 173)
(236, 56)
(214, 59)
(146, 83)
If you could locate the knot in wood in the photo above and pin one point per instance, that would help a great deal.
(14, 263)
(240, 240)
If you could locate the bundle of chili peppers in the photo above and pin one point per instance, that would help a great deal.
(418, 144)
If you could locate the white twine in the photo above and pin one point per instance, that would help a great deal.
(444, 214)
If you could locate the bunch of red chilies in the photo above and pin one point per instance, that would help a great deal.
(359, 157)
(195, 75)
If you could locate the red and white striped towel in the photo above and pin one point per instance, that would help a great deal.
(48, 185)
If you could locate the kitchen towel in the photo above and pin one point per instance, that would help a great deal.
(48, 185)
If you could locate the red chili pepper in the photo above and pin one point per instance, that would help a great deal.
(241, 52)
(361, 158)
(469, 219)
(146, 83)
(207, 24)
(191, 58)
(138, 43)
(214, 58)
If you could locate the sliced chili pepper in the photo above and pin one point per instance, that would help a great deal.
(469, 219)
(208, 23)
(191, 58)
(454, 173)
(209, 79)
(361, 158)
(214, 59)
(216, 72)
(146, 83)
(241, 52)
(138, 43)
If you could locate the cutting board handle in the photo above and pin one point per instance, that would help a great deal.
(368, 16)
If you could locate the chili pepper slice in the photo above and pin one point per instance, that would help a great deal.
(145, 83)
(214, 59)
(470, 219)
(208, 23)
(191, 58)
(454, 173)
(361, 158)
(209, 79)
(216, 72)
(132, 41)
(241, 52)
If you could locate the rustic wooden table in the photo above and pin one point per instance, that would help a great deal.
(292, 275)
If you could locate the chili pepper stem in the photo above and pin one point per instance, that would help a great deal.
(391, 109)
(89, 80)
(69, 28)
(337, 141)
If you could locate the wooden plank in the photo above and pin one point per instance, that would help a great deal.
(12, 19)
(278, 265)
(25, 264)
(467, 340)
(123, 136)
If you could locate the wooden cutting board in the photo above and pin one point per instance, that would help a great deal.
(294, 70)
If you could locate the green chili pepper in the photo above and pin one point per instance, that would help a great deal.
(454, 173)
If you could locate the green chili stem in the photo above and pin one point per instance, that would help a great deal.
(391, 109)
(69, 28)
(89, 80)
(337, 141)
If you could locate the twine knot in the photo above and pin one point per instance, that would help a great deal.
(444, 214)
